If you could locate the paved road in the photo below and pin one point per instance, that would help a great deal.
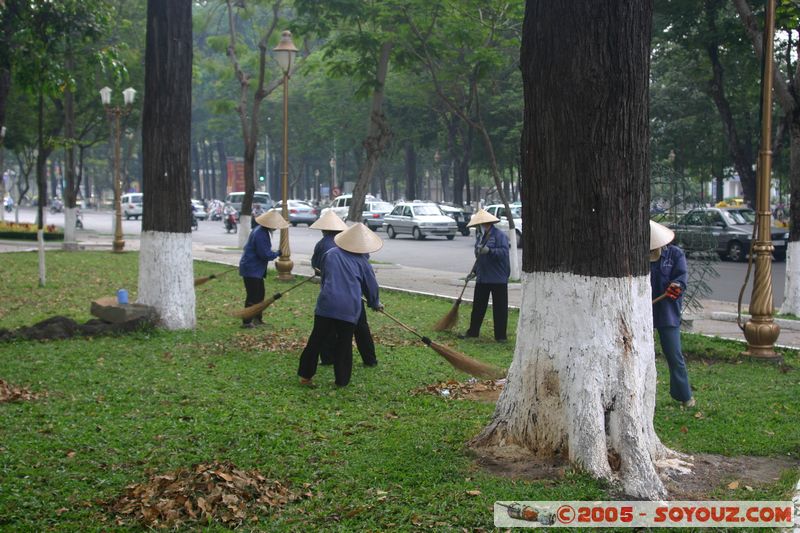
(434, 253)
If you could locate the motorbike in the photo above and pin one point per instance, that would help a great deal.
(78, 219)
(230, 222)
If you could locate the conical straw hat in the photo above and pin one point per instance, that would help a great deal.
(358, 239)
(272, 220)
(482, 217)
(660, 235)
(329, 221)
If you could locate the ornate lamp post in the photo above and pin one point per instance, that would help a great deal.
(285, 54)
(114, 113)
(761, 331)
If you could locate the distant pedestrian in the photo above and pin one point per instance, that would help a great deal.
(253, 263)
(346, 276)
(256, 211)
(492, 269)
(668, 275)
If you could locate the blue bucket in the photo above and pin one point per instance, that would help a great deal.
(122, 296)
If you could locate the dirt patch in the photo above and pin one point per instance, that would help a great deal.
(14, 393)
(201, 494)
(481, 391)
(712, 477)
(61, 327)
(711, 473)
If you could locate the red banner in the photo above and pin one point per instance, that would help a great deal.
(235, 174)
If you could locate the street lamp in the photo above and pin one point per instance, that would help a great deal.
(761, 331)
(114, 113)
(285, 54)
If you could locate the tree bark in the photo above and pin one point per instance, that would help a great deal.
(378, 134)
(165, 260)
(411, 170)
(582, 383)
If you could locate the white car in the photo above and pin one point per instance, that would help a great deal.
(419, 220)
(131, 205)
(499, 210)
(199, 210)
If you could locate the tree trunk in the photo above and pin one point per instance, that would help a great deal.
(166, 279)
(223, 169)
(411, 171)
(72, 184)
(378, 134)
(791, 293)
(582, 383)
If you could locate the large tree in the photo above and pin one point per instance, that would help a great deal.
(583, 379)
(165, 260)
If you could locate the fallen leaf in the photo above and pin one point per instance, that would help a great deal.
(71, 454)
(474, 492)
(391, 415)
(733, 485)
(748, 487)
(684, 429)
(698, 415)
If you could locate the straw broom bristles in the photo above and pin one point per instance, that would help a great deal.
(460, 361)
(205, 279)
(253, 310)
(449, 320)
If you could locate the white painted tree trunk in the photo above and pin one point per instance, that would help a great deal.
(244, 229)
(166, 277)
(69, 229)
(514, 256)
(791, 293)
(586, 393)
(42, 270)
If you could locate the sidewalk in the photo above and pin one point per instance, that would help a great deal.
(717, 318)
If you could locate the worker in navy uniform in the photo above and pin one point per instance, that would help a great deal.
(253, 263)
(668, 274)
(492, 269)
(346, 276)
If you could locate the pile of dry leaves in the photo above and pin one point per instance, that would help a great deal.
(13, 393)
(216, 491)
(471, 389)
(283, 341)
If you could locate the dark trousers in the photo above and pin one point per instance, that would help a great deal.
(324, 329)
(255, 294)
(364, 343)
(499, 292)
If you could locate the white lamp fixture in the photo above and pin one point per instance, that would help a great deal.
(128, 95)
(105, 95)
(285, 52)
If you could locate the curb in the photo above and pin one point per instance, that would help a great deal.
(724, 316)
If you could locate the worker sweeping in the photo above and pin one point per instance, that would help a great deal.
(346, 276)
(492, 269)
(253, 263)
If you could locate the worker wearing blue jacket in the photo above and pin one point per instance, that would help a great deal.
(492, 269)
(346, 276)
(668, 275)
(331, 225)
(253, 263)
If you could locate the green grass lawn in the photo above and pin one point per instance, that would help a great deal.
(120, 409)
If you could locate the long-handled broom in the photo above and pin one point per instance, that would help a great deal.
(253, 310)
(449, 320)
(460, 361)
(205, 279)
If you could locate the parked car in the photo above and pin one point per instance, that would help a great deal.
(234, 200)
(199, 209)
(374, 213)
(459, 215)
(341, 205)
(499, 210)
(131, 205)
(300, 212)
(419, 220)
(727, 231)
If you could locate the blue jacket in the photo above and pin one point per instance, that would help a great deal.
(493, 267)
(324, 244)
(345, 277)
(257, 253)
(671, 267)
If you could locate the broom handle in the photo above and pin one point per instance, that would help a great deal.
(660, 298)
(407, 328)
(474, 265)
(314, 275)
(225, 272)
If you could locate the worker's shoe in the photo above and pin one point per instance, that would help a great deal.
(248, 325)
(306, 382)
(467, 335)
(258, 322)
(688, 404)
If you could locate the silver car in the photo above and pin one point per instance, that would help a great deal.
(419, 220)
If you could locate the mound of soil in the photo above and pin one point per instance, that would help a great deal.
(61, 327)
